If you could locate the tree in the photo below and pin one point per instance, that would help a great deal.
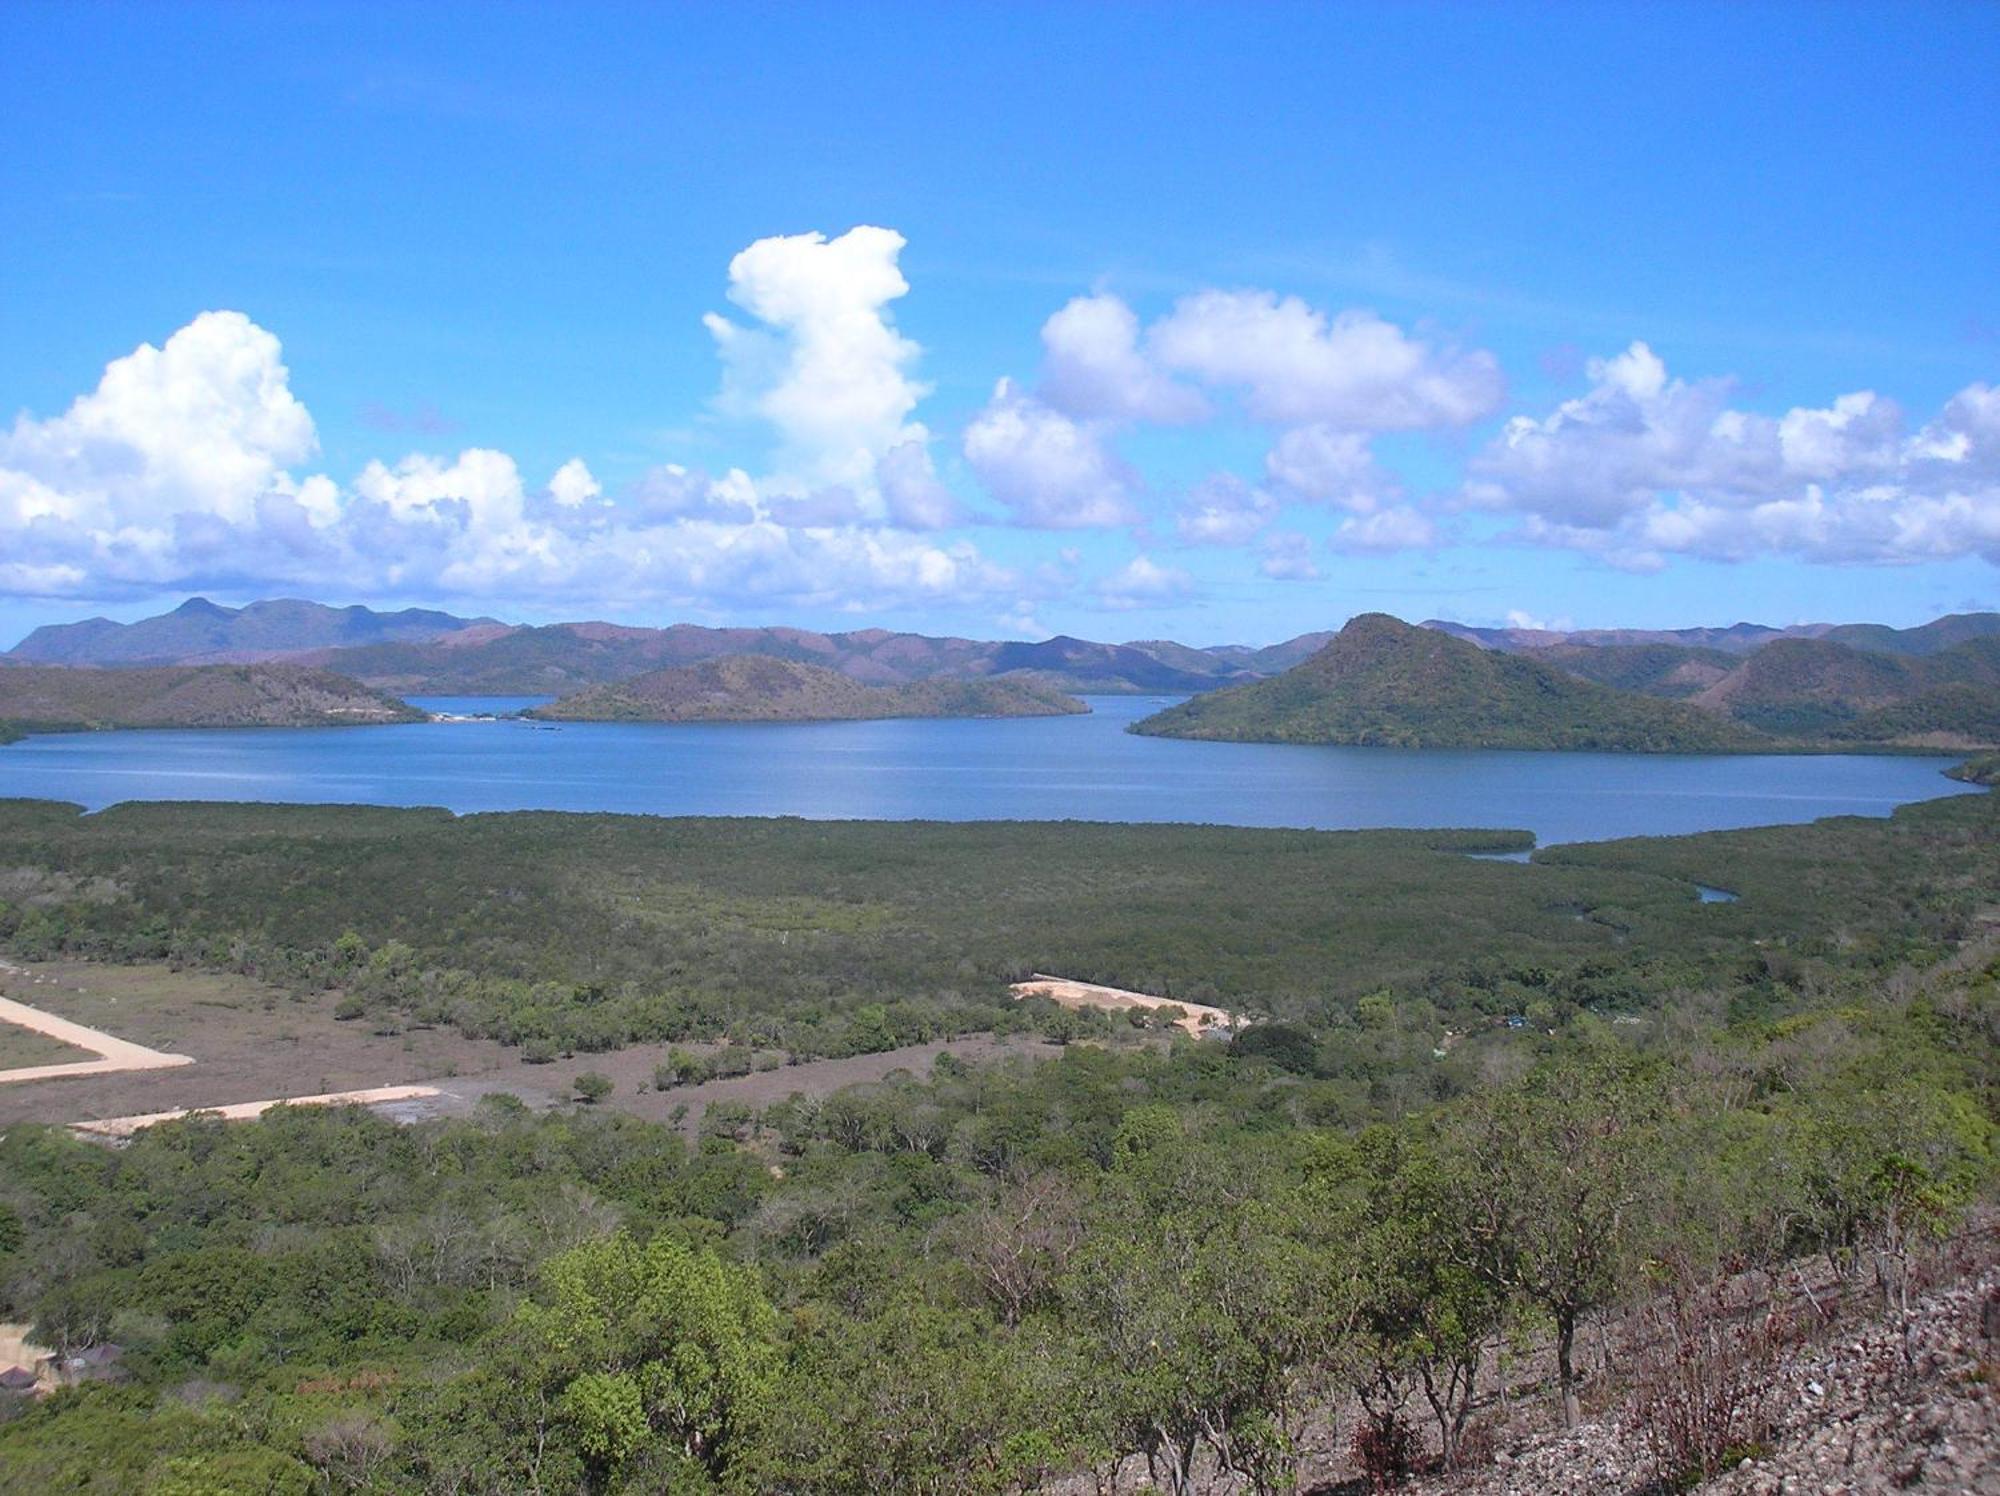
(654, 1350)
(1549, 1175)
(592, 1087)
(1425, 1307)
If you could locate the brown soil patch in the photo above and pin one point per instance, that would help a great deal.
(1200, 1019)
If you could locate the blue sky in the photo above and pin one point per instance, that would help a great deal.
(1304, 311)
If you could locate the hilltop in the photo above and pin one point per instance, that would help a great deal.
(755, 688)
(50, 697)
(1383, 682)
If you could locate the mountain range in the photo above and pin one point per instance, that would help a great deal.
(1935, 685)
(200, 632)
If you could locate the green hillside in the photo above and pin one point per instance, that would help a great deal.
(48, 697)
(1818, 690)
(1382, 682)
(756, 688)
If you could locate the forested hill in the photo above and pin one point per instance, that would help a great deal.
(53, 696)
(755, 688)
(1382, 682)
(1816, 688)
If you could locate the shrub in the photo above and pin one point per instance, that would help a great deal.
(1704, 1377)
(1385, 1447)
(538, 1051)
(592, 1087)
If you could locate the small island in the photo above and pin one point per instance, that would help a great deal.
(757, 688)
(1384, 683)
(61, 698)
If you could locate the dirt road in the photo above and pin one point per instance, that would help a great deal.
(115, 1055)
(243, 1111)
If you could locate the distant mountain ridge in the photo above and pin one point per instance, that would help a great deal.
(426, 652)
(757, 688)
(1740, 638)
(200, 632)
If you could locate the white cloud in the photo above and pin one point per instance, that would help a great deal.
(1398, 528)
(912, 495)
(1224, 510)
(1092, 368)
(1142, 583)
(1288, 558)
(174, 474)
(573, 486)
(1050, 471)
(1323, 465)
(1296, 365)
(828, 369)
(1644, 466)
(206, 423)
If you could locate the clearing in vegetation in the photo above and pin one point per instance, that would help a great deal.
(1197, 1019)
(114, 1055)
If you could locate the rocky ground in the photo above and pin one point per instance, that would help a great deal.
(1875, 1408)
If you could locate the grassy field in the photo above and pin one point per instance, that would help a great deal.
(21, 1047)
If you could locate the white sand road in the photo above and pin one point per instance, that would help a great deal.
(1200, 1017)
(244, 1111)
(113, 1054)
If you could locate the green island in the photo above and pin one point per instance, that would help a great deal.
(37, 698)
(759, 688)
(1476, 1120)
(1384, 683)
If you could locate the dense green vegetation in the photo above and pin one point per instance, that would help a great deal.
(1817, 689)
(1384, 683)
(590, 932)
(754, 688)
(1492, 1105)
(51, 697)
(971, 1281)
(1981, 768)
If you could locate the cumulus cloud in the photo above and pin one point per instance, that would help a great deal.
(1092, 368)
(204, 424)
(912, 495)
(1288, 557)
(1324, 465)
(1643, 466)
(828, 369)
(1143, 583)
(1224, 510)
(1052, 472)
(1353, 371)
(1398, 528)
(177, 471)
(573, 486)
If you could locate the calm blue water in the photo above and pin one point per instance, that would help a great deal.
(1049, 768)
